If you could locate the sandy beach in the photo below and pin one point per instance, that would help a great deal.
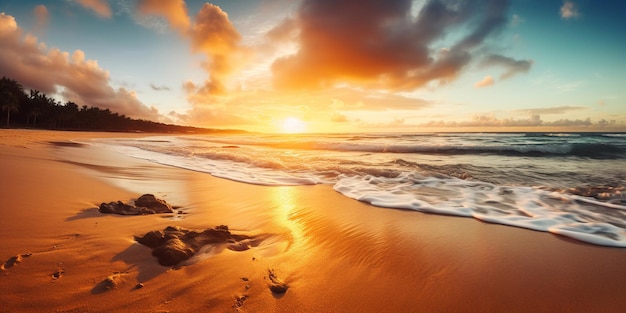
(335, 254)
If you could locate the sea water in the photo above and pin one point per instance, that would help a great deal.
(571, 184)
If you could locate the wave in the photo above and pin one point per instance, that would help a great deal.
(484, 191)
(511, 145)
(592, 150)
(577, 217)
(615, 135)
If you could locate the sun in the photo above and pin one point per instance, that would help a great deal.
(293, 125)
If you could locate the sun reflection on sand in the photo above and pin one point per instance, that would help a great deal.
(285, 204)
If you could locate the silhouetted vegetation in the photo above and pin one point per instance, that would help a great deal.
(37, 110)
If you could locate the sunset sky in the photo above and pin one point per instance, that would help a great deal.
(366, 65)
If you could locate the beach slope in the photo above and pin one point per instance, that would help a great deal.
(329, 253)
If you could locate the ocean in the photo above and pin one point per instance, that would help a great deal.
(570, 184)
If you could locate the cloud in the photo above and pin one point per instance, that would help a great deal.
(533, 120)
(210, 33)
(259, 108)
(52, 71)
(159, 88)
(338, 118)
(377, 44)
(569, 10)
(41, 17)
(287, 30)
(174, 11)
(487, 81)
(213, 34)
(512, 67)
(554, 110)
(100, 7)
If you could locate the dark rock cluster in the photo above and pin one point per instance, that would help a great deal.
(146, 204)
(175, 244)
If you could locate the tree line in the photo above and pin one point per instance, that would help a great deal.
(36, 110)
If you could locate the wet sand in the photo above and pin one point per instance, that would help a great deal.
(59, 254)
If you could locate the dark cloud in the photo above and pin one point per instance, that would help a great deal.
(380, 44)
(159, 88)
(512, 67)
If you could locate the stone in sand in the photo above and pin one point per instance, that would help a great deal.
(146, 204)
(109, 283)
(175, 244)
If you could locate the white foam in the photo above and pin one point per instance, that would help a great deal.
(270, 164)
(229, 165)
(572, 216)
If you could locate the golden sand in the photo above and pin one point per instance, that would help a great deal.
(59, 254)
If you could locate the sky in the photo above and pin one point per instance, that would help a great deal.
(328, 65)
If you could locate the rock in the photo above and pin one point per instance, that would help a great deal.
(146, 204)
(279, 288)
(173, 252)
(109, 283)
(151, 202)
(152, 239)
(175, 244)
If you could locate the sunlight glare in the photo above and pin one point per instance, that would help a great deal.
(293, 125)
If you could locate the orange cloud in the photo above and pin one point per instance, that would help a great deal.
(487, 81)
(101, 7)
(210, 33)
(25, 59)
(41, 16)
(377, 44)
(175, 11)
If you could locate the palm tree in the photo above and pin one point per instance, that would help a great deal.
(8, 100)
(9, 104)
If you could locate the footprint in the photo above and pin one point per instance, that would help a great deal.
(239, 301)
(277, 285)
(58, 274)
(14, 260)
